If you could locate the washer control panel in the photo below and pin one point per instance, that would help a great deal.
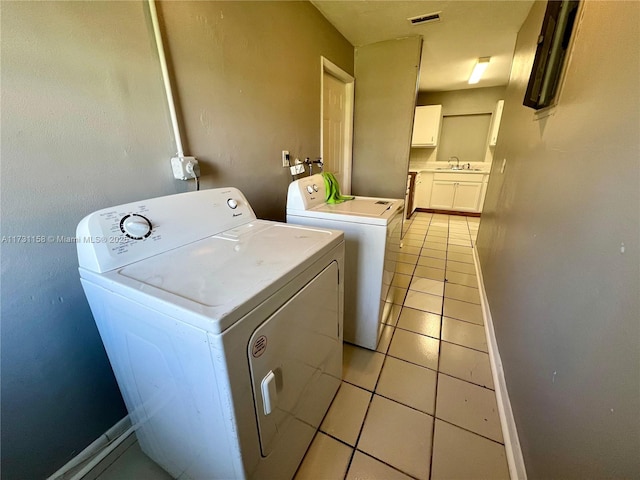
(306, 193)
(114, 237)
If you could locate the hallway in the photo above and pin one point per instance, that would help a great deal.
(423, 405)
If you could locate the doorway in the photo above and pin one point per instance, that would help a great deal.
(336, 126)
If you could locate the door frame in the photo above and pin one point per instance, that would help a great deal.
(328, 67)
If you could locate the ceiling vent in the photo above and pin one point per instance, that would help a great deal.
(427, 18)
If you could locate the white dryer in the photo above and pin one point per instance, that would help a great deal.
(372, 228)
(224, 332)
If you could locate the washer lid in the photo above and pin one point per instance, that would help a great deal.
(367, 210)
(224, 276)
(370, 207)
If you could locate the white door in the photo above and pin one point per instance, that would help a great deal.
(333, 120)
(337, 123)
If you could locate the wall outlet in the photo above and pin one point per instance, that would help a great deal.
(185, 168)
(285, 158)
(296, 169)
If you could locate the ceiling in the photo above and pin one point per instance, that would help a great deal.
(466, 30)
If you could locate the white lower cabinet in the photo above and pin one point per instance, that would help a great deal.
(423, 190)
(467, 197)
(442, 194)
(462, 192)
(457, 191)
(485, 183)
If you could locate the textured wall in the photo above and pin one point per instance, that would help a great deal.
(248, 77)
(458, 102)
(464, 102)
(563, 295)
(385, 99)
(85, 126)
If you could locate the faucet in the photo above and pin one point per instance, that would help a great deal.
(310, 163)
(457, 167)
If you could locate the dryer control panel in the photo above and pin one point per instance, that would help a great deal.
(117, 236)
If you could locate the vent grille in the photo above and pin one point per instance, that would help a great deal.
(427, 18)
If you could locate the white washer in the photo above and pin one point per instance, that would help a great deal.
(224, 332)
(372, 228)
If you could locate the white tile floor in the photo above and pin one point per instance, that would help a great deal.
(422, 406)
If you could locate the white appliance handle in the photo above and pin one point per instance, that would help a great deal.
(269, 393)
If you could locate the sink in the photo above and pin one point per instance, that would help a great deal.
(454, 169)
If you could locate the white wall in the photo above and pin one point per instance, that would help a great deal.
(563, 294)
(85, 126)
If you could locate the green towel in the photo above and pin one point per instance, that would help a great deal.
(333, 189)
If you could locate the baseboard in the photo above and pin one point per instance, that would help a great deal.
(448, 212)
(515, 460)
(87, 459)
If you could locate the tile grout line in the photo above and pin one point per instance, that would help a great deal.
(373, 393)
(433, 426)
(431, 369)
(387, 464)
(437, 371)
(435, 396)
(438, 366)
(470, 431)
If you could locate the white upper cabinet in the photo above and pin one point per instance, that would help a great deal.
(495, 123)
(426, 126)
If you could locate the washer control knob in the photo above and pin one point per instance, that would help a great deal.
(135, 226)
(315, 187)
(309, 189)
(233, 204)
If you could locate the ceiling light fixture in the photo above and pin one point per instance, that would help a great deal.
(478, 70)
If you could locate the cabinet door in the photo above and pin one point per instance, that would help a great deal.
(442, 194)
(425, 190)
(467, 196)
(483, 194)
(426, 126)
(418, 197)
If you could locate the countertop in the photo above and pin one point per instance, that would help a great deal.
(448, 170)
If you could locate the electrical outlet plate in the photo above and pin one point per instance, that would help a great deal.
(297, 169)
(285, 158)
(185, 168)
